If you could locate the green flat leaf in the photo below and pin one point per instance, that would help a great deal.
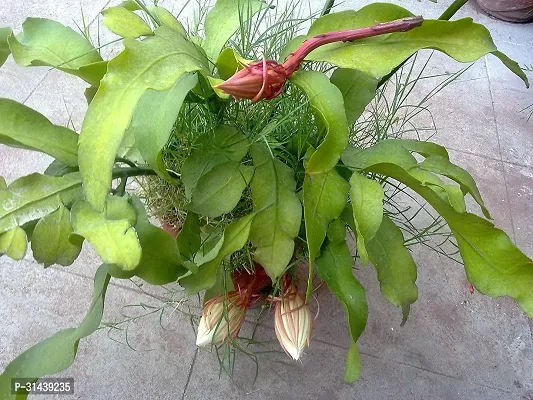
(353, 365)
(44, 42)
(494, 265)
(219, 190)
(4, 46)
(324, 197)
(21, 126)
(229, 62)
(444, 167)
(234, 238)
(52, 242)
(512, 65)
(14, 243)
(115, 240)
(57, 353)
(334, 266)
(423, 148)
(367, 203)
(125, 23)
(279, 212)
(226, 144)
(327, 104)
(357, 88)
(58, 168)
(462, 40)
(189, 240)
(130, 5)
(223, 20)
(154, 63)
(154, 119)
(161, 261)
(34, 196)
(167, 19)
(394, 265)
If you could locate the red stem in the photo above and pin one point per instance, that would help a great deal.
(400, 25)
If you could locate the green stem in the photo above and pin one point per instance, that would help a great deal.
(452, 9)
(327, 7)
(121, 188)
(125, 161)
(129, 172)
(446, 15)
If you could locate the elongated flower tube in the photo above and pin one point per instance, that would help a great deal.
(265, 79)
(222, 318)
(292, 322)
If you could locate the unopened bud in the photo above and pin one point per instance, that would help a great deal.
(292, 322)
(222, 318)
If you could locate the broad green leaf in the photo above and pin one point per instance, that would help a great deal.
(462, 40)
(49, 43)
(21, 126)
(226, 144)
(52, 242)
(394, 265)
(219, 190)
(494, 265)
(3, 184)
(57, 353)
(512, 65)
(189, 240)
(234, 238)
(324, 197)
(34, 196)
(125, 23)
(130, 5)
(353, 364)
(122, 207)
(154, 63)
(154, 118)
(327, 104)
(367, 203)
(423, 148)
(229, 62)
(4, 46)
(279, 212)
(334, 266)
(223, 20)
(115, 240)
(58, 168)
(357, 88)
(167, 19)
(442, 166)
(161, 261)
(14, 243)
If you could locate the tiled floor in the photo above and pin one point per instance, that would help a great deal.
(454, 346)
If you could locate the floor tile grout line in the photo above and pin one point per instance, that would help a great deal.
(189, 376)
(500, 150)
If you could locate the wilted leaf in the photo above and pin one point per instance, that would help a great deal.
(279, 212)
(223, 20)
(219, 190)
(357, 88)
(34, 196)
(14, 243)
(327, 104)
(234, 238)
(57, 353)
(49, 43)
(52, 242)
(154, 63)
(125, 23)
(21, 126)
(154, 118)
(115, 240)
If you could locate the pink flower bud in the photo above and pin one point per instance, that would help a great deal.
(222, 318)
(292, 322)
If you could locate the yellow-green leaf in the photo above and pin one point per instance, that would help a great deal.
(4, 46)
(125, 23)
(14, 243)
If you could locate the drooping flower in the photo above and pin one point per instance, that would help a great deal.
(292, 322)
(265, 79)
(222, 318)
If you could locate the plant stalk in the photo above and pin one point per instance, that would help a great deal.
(129, 172)
(327, 7)
(400, 25)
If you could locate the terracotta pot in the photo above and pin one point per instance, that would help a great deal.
(509, 10)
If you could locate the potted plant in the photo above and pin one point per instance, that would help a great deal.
(260, 157)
